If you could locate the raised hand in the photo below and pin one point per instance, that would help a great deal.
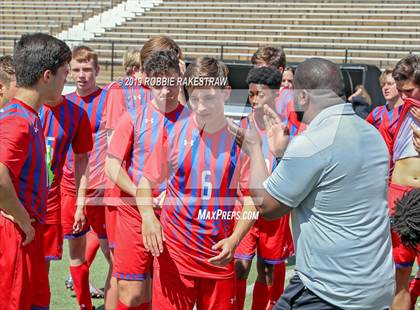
(278, 136)
(246, 138)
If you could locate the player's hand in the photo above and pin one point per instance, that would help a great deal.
(415, 111)
(25, 226)
(278, 136)
(228, 247)
(416, 137)
(246, 138)
(158, 201)
(152, 233)
(79, 220)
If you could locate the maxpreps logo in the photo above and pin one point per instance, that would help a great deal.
(227, 215)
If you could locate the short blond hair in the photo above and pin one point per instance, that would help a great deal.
(132, 58)
(84, 53)
(382, 77)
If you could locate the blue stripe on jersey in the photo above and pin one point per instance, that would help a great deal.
(98, 130)
(204, 203)
(219, 177)
(194, 182)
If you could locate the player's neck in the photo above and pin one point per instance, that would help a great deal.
(86, 92)
(393, 103)
(30, 97)
(210, 126)
(166, 107)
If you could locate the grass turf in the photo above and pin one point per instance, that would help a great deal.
(62, 299)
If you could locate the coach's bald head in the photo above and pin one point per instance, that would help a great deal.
(319, 84)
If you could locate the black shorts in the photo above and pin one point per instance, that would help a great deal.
(296, 296)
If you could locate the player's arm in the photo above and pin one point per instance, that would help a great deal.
(81, 174)
(249, 140)
(118, 175)
(81, 144)
(416, 137)
(14, 141)
(120, 143)
(11, 206)
(229, 245)
(154, 173)
(152, 231)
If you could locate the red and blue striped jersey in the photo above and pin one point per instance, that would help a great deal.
(95, 105)
(22, 151)
(284, 99)
(203, 173)
(285, 108)
(65, 125)
(137, 134)
(381, 114)
(123, 95)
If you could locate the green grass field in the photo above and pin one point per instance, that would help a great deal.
(62, 299)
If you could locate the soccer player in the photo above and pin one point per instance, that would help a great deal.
(275, 56)
(7, 79)
(83, 69)
(386, 113)
(133, 139)
(125, 94)
(271, 239)
(65, 125)
(204, 172)
(41, 69)
(287, 78)
(406, 160)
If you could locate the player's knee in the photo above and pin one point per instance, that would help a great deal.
(265, 272)
(402, 278)
(242, 268)
(133, 293)
(77, 248)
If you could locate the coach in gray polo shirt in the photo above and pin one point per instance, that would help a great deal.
(333, 178)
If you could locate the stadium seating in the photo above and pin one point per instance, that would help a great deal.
(377, 32)
(19, 17)
(372, 32)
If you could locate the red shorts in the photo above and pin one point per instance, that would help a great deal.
(272, 240)
(172, 290)
(131, 260)
(24, 277)
(403, 256)
(95, 218)
(111, 213)
(53, 241)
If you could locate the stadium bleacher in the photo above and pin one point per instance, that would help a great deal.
(360, 32)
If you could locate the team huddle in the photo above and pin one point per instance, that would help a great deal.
(175, 194)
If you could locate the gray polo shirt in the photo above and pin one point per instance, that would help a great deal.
(334, 176)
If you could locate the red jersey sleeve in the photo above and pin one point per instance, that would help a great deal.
(370, 118)
(14, 142)
(82, 141)
(115, 106)
(156, 168)
(123, 137)
(244, 175)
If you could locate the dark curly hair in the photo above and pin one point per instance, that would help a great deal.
(269, 76)
(162, 62)
(35, 53)
(406, 220)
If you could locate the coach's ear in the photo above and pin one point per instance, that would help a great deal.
(2, 91)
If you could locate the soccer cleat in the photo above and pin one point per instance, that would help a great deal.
(96, 292)
(69, 283)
